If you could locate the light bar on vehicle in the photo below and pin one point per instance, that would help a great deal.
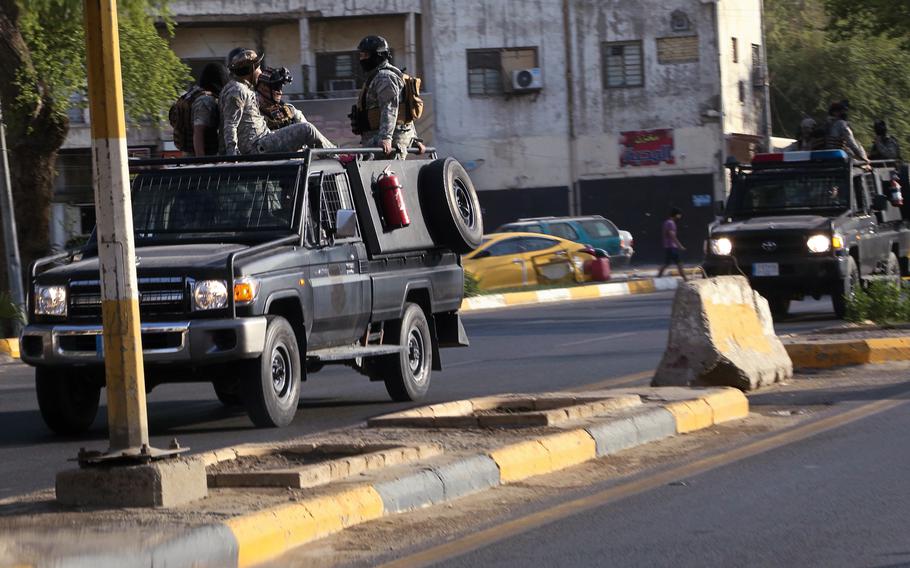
(816, 156)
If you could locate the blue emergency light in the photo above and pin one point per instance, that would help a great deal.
(816, 156)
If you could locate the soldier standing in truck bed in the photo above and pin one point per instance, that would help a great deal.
(244, 129)
(839, 134)
(885, 146)
(376, 115)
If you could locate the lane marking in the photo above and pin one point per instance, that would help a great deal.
(601, 338)
(484, 538)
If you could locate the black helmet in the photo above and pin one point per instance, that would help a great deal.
(374, 44)
(276, 79)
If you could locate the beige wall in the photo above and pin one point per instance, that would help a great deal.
(208, 43)
(344, 34)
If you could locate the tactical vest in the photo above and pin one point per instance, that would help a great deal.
(410, 105)
(277, 115)
(833, 140)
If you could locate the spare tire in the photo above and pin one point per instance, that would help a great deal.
(450, 205)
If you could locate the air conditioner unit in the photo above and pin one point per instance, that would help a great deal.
(526, 80)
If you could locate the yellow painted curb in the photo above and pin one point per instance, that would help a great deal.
(10, 346)
(585, 293)
(641, 286)
(517, 298)
(522, 460)
(726, 405)
(842, 353)
(569, 448)
(267, 534)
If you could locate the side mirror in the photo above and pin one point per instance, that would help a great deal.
(719, 208)
(879, 202)
(345, 224)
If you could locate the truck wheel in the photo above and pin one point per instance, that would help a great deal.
(780, 306)
(450, 201)
(407, 374)
(68, 402)
(228, 391)
(893, 268)
(845, 289)
(270, 388)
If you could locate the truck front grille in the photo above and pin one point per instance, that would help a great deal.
(166, 296)
(759, 246)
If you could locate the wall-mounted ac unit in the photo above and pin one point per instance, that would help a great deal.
(527, 80)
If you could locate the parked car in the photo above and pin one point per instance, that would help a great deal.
(592, 230)
(513, 260)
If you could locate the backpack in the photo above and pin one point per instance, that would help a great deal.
(411, 102)
(181, 118)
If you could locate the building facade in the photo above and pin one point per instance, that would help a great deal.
(555, 106)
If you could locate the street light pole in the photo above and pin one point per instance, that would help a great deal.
(10, 239)
(126, 410)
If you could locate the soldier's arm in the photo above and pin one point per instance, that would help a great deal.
(298, 116)
(858, 151)
(231, 112)
(388, 91)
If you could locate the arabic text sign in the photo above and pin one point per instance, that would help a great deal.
(646, 148)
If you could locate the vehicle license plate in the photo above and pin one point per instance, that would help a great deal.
(765, 269)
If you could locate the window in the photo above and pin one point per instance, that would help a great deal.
(735, 50)
(599, 229)
(757, 71)
(563, 230)
(623, 64)
(502, 248)
(324, 205)
(490, 70)
(533, 244)
(338, 72)
(742, 91)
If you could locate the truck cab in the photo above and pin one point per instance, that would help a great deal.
(801, 224)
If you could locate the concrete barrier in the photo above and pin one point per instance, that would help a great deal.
(721, 334)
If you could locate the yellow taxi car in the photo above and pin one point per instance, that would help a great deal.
(513, 260)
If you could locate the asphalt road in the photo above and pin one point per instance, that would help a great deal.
(516, 350)
(839, 498)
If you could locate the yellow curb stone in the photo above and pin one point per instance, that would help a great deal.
(518, 298)
(569, 448)
(520, 461)
(728, 404)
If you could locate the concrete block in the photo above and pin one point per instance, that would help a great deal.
(613, 436)
(721, 334)
(467, 476)
(164, 483)
(412, 491)
(654, 424)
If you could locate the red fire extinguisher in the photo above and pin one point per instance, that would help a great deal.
(392, 198)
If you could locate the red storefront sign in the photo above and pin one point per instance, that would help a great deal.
(646, 148)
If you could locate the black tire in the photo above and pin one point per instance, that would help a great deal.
(780, 306)
(68, 402)
(270, 387)
(893, 268)
(228, 391)
(845, 289)
(407, 374)
(450, 203)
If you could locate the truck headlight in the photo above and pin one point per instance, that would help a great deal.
(210, 295)
(50, 300)
(245, 290)
(819, 243)
(722, 246)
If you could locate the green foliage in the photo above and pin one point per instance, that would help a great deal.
(9, 311)
(870, 17)
(811, 67)
(471, 286)
(153, 76)
(881, 302)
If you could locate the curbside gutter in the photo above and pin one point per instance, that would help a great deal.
(258, 537)
(588, 292)
(847, 352)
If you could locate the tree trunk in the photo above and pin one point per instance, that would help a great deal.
(35, 132)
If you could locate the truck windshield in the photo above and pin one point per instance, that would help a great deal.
(789, 192)
(200, 201)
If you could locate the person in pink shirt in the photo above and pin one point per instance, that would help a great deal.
(672, 246)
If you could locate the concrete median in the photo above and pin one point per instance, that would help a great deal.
(721, 334)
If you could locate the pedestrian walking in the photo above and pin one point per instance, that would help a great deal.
(672, 246)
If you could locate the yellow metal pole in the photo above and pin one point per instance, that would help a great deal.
(126, 409)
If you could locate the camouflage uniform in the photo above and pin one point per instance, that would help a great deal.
(246, 132)
(885, 148)
(205, 113)
(840, 137)
(383, 93)
(281, 114)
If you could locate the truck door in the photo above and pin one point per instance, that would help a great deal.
(340, 286)
(867, 243)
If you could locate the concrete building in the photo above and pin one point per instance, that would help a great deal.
(555, 106)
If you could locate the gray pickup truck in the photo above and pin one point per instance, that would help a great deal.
(254, 272)
(801, 224)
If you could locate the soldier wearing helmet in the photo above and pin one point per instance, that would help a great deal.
(243, 126)
(376, 115)
(269, 90)
(840, 135)
(885, 146)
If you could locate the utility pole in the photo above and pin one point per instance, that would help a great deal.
(574, 184)
(126, 411)
(10, 239)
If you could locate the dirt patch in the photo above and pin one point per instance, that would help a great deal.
(278, 460)
(849, 331)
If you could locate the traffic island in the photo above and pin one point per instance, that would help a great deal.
(245, 526)
(848, 346)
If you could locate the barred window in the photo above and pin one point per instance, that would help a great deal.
(485, 72)
(623, 64)
(324, 205)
